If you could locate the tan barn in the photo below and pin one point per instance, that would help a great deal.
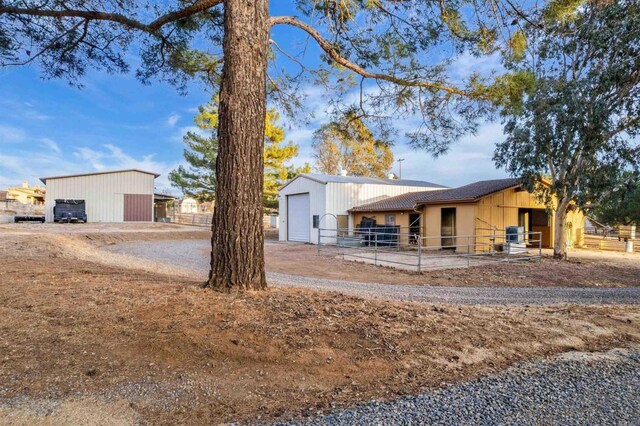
(479, 210)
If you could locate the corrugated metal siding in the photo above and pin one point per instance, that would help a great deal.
(335, 199)
(317, 204)
(341, 197)
(138, 207)
(103, 194)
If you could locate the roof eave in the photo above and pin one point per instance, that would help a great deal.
(44, 179)
(298, 177)
(466, 200)
(363, 210)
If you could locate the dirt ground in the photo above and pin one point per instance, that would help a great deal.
(88, 343)
(584, 268)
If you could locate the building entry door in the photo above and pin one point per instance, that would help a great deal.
(448, 228)
(414, 228)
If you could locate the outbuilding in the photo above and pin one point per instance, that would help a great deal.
(112, 196)
(469, 216)
(310, 201)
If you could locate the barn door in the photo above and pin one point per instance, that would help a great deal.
(138, 207)
(448, 228)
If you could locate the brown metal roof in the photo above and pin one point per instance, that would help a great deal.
(463, 194)
(162, 197)
(405, 201)
(44, 179)
(471, 192)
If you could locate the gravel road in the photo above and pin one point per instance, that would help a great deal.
(191, 256)
(574, 389)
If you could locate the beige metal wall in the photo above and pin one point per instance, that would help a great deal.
(103, 193)
(327, 200)
(343, 196)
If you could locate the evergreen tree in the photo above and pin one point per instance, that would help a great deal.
(198, 179)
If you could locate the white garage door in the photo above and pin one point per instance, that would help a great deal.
(298, 213)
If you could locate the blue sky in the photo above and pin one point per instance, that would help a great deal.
(49, 128)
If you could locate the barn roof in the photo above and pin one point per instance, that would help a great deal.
(464, 194)
(44, 179)
(324, 179)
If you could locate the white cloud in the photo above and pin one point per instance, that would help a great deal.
(9, 134)
(180, 132)
(94, 158)
(23, 110)
(51, 144)
(466, 64)
(173, 119)
(467, 161)
(113, 157)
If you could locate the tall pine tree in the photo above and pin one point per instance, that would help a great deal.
(198, 179)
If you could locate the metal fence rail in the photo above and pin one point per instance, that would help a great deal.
(415, 252)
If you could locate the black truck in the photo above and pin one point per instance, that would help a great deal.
(69, 211)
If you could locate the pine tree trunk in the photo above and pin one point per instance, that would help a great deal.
(559, 234)
(237, 253)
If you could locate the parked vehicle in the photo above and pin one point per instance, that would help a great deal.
(69, 211)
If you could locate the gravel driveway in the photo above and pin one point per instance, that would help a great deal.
(192, 256)
(574, 389)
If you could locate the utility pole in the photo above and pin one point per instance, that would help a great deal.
(400, 160)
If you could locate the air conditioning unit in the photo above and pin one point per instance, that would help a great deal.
(515, 234)
(515, 240)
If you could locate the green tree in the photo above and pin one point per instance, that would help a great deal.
(276, 158)
(198, 178)
(350, 145)
(577, 125)
(397, 52)
(621, 205)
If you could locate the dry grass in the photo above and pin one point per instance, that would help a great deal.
(100, 341)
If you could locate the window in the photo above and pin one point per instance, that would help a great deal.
(390, 219)
(316, 221)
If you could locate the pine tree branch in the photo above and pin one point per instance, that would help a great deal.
(333, 53)
(95, 15)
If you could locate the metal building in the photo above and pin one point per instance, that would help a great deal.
(113, 196)
(311, 201)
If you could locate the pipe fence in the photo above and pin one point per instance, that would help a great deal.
(412, 251)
